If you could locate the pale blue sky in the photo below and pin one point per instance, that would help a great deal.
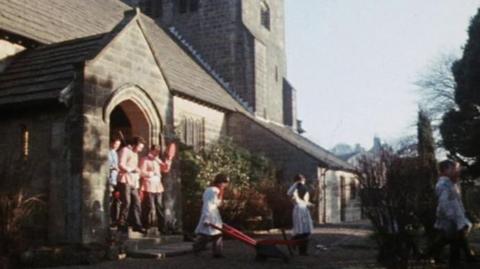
(353, 62)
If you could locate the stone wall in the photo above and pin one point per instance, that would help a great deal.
(124, 70)
(229, 36)
(256, 138)
(214, 31)
(214, 120)
(53, 162)
(290, 161)
(335, 206)
(269, 55)
(289, 105)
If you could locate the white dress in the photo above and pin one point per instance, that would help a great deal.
(302, 221)
(210, 212)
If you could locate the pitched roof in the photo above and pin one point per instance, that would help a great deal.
(311, 148)
(183, 74)
(50, 21)
(43, 72)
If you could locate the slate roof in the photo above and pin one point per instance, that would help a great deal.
(184, 75)
(43, 72)
(51, 21)
(311, 148)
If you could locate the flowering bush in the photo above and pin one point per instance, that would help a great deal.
(246, 206)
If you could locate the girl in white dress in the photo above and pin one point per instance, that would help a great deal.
(212, 199)
(302, 221)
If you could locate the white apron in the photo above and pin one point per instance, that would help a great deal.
(210, 212)
(302, 221)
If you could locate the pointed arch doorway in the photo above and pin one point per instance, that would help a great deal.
(128, 120)
(130, 111)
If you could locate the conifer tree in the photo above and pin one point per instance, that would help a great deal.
(460, 128)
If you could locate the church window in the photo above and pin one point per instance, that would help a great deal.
(25, 138)
(265, 15)
(276, 73)
(193, 132)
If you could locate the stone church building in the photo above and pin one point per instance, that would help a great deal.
(75, 72)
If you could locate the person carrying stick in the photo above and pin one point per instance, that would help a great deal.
(151, 169)
(128, 184)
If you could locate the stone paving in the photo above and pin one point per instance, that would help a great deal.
(345, 246)
(331, 247)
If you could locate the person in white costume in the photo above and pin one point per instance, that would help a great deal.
(212, 199)
(302, 221)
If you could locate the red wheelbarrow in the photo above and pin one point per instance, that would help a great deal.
(266, 248)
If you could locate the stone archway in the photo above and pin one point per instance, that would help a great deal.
(127, 120)
(131, 111)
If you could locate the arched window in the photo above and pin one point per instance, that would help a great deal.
(265, 15)
(192, 132)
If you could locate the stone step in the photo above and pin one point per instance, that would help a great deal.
(161, 251)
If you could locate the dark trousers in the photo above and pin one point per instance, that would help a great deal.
(458, 243)
(115, 204)
(303, 246)
(152, 210)
(130, 198)
(202, 240)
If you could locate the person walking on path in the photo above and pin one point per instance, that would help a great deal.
(451, 220)
(151, 169)
(302, 220)
(128, 184)
(212, 199)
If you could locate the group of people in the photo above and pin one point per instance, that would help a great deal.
(451, 224)
(131, 177)
(212, 200)
(136, 185)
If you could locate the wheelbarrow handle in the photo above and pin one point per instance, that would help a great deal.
(236, 234)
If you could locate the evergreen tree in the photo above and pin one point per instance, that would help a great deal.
(427, 173)
(426, 145)
(460, 128)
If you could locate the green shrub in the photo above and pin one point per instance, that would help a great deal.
(245, 204)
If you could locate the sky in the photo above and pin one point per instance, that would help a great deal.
(353, 62)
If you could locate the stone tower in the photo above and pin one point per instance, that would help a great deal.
(244, 42)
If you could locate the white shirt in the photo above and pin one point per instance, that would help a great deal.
(450, 210)
(113, 167)
(210, 212)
